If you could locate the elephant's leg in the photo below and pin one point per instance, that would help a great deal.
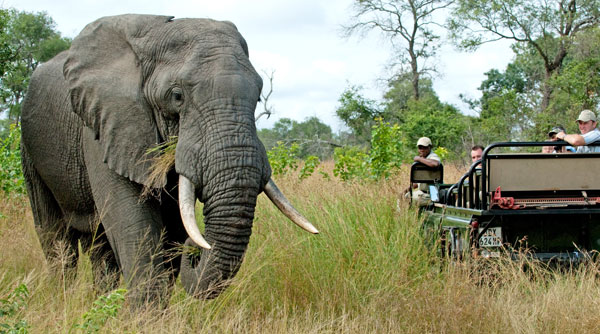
(47, 215)
(132, 226)
(105, 267)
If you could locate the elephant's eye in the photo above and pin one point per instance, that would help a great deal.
(177, 96)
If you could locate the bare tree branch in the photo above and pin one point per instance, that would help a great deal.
(264, 99)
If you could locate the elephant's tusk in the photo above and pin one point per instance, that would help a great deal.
(187, 201)
(286, 207)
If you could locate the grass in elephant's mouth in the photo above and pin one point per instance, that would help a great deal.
(369, 271)
(163, 160)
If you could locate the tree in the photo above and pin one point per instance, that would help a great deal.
(577, 86)
(409, 26)
(358, 113)
(441, 122)
(6, 53)
(509, 106)
(311, 135)
(549, 27)
(32, 39)
(505, 109)
(399, 95)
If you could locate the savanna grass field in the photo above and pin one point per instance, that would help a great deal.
(370, 270)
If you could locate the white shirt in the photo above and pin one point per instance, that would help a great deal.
(590, 137)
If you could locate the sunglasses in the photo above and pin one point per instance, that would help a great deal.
(421, 147)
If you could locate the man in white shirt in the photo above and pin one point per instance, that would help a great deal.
(589, 133)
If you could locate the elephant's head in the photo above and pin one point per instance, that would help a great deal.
(137, 80)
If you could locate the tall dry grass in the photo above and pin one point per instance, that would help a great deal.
(368, 271)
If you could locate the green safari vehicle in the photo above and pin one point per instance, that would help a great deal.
(546, 206)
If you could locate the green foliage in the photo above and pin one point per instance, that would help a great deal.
(310, 164)
(400, 93)
(511, 104)
(385, 155)
(103, 309)
(312, 136)
(10, 308)
(441, 122)
(11, 176)
(441, 152)
(283, 158)
(549, 29)
(7, 55)
(358, 113)
(350, 163)
(387, 149)
(26, 40)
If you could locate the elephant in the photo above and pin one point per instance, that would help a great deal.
(91, 119)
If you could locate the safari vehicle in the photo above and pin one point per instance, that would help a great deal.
(546, 206)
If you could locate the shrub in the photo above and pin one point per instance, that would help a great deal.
(386, 154)
(10, 307)
(283, 158)
(104, 309)
(310, 164)
(350, 163)
(11, 175)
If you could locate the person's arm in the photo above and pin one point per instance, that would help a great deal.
(573, 139)
(428, 162)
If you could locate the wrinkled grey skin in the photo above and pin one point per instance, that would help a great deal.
(128, 83)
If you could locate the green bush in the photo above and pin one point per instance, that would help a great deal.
(350, 163)
(386, 154)
(10, 308)
(283, 158)
(386, 149)
(310, 164)
(11, 176)
(104, 309)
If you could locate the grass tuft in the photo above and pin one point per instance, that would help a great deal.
(163, 160)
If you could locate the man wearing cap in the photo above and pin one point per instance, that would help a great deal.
(589, 133)
(426, 156)
(552, 137)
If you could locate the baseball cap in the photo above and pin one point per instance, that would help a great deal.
(556, 130)
(424, 141)
(587, 115)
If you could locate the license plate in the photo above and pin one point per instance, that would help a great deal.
(491, 238)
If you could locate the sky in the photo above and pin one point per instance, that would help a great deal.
(300, 42)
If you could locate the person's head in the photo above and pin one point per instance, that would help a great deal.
(424, 145)
(476, 152)
(586, 121)
(552, 133)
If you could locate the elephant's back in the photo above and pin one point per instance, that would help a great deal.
(51, 133)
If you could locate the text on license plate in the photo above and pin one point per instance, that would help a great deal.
(491, 238)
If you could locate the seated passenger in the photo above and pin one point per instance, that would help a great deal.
(429, 158)
(552, 137)
(426, 155)
(589, 133)
(476, 153)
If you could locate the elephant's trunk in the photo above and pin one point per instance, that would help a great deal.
(227, 230)
(228, 187)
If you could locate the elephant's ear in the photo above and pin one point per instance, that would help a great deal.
(104, 74)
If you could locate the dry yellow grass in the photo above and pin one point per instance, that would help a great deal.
(369, 271)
